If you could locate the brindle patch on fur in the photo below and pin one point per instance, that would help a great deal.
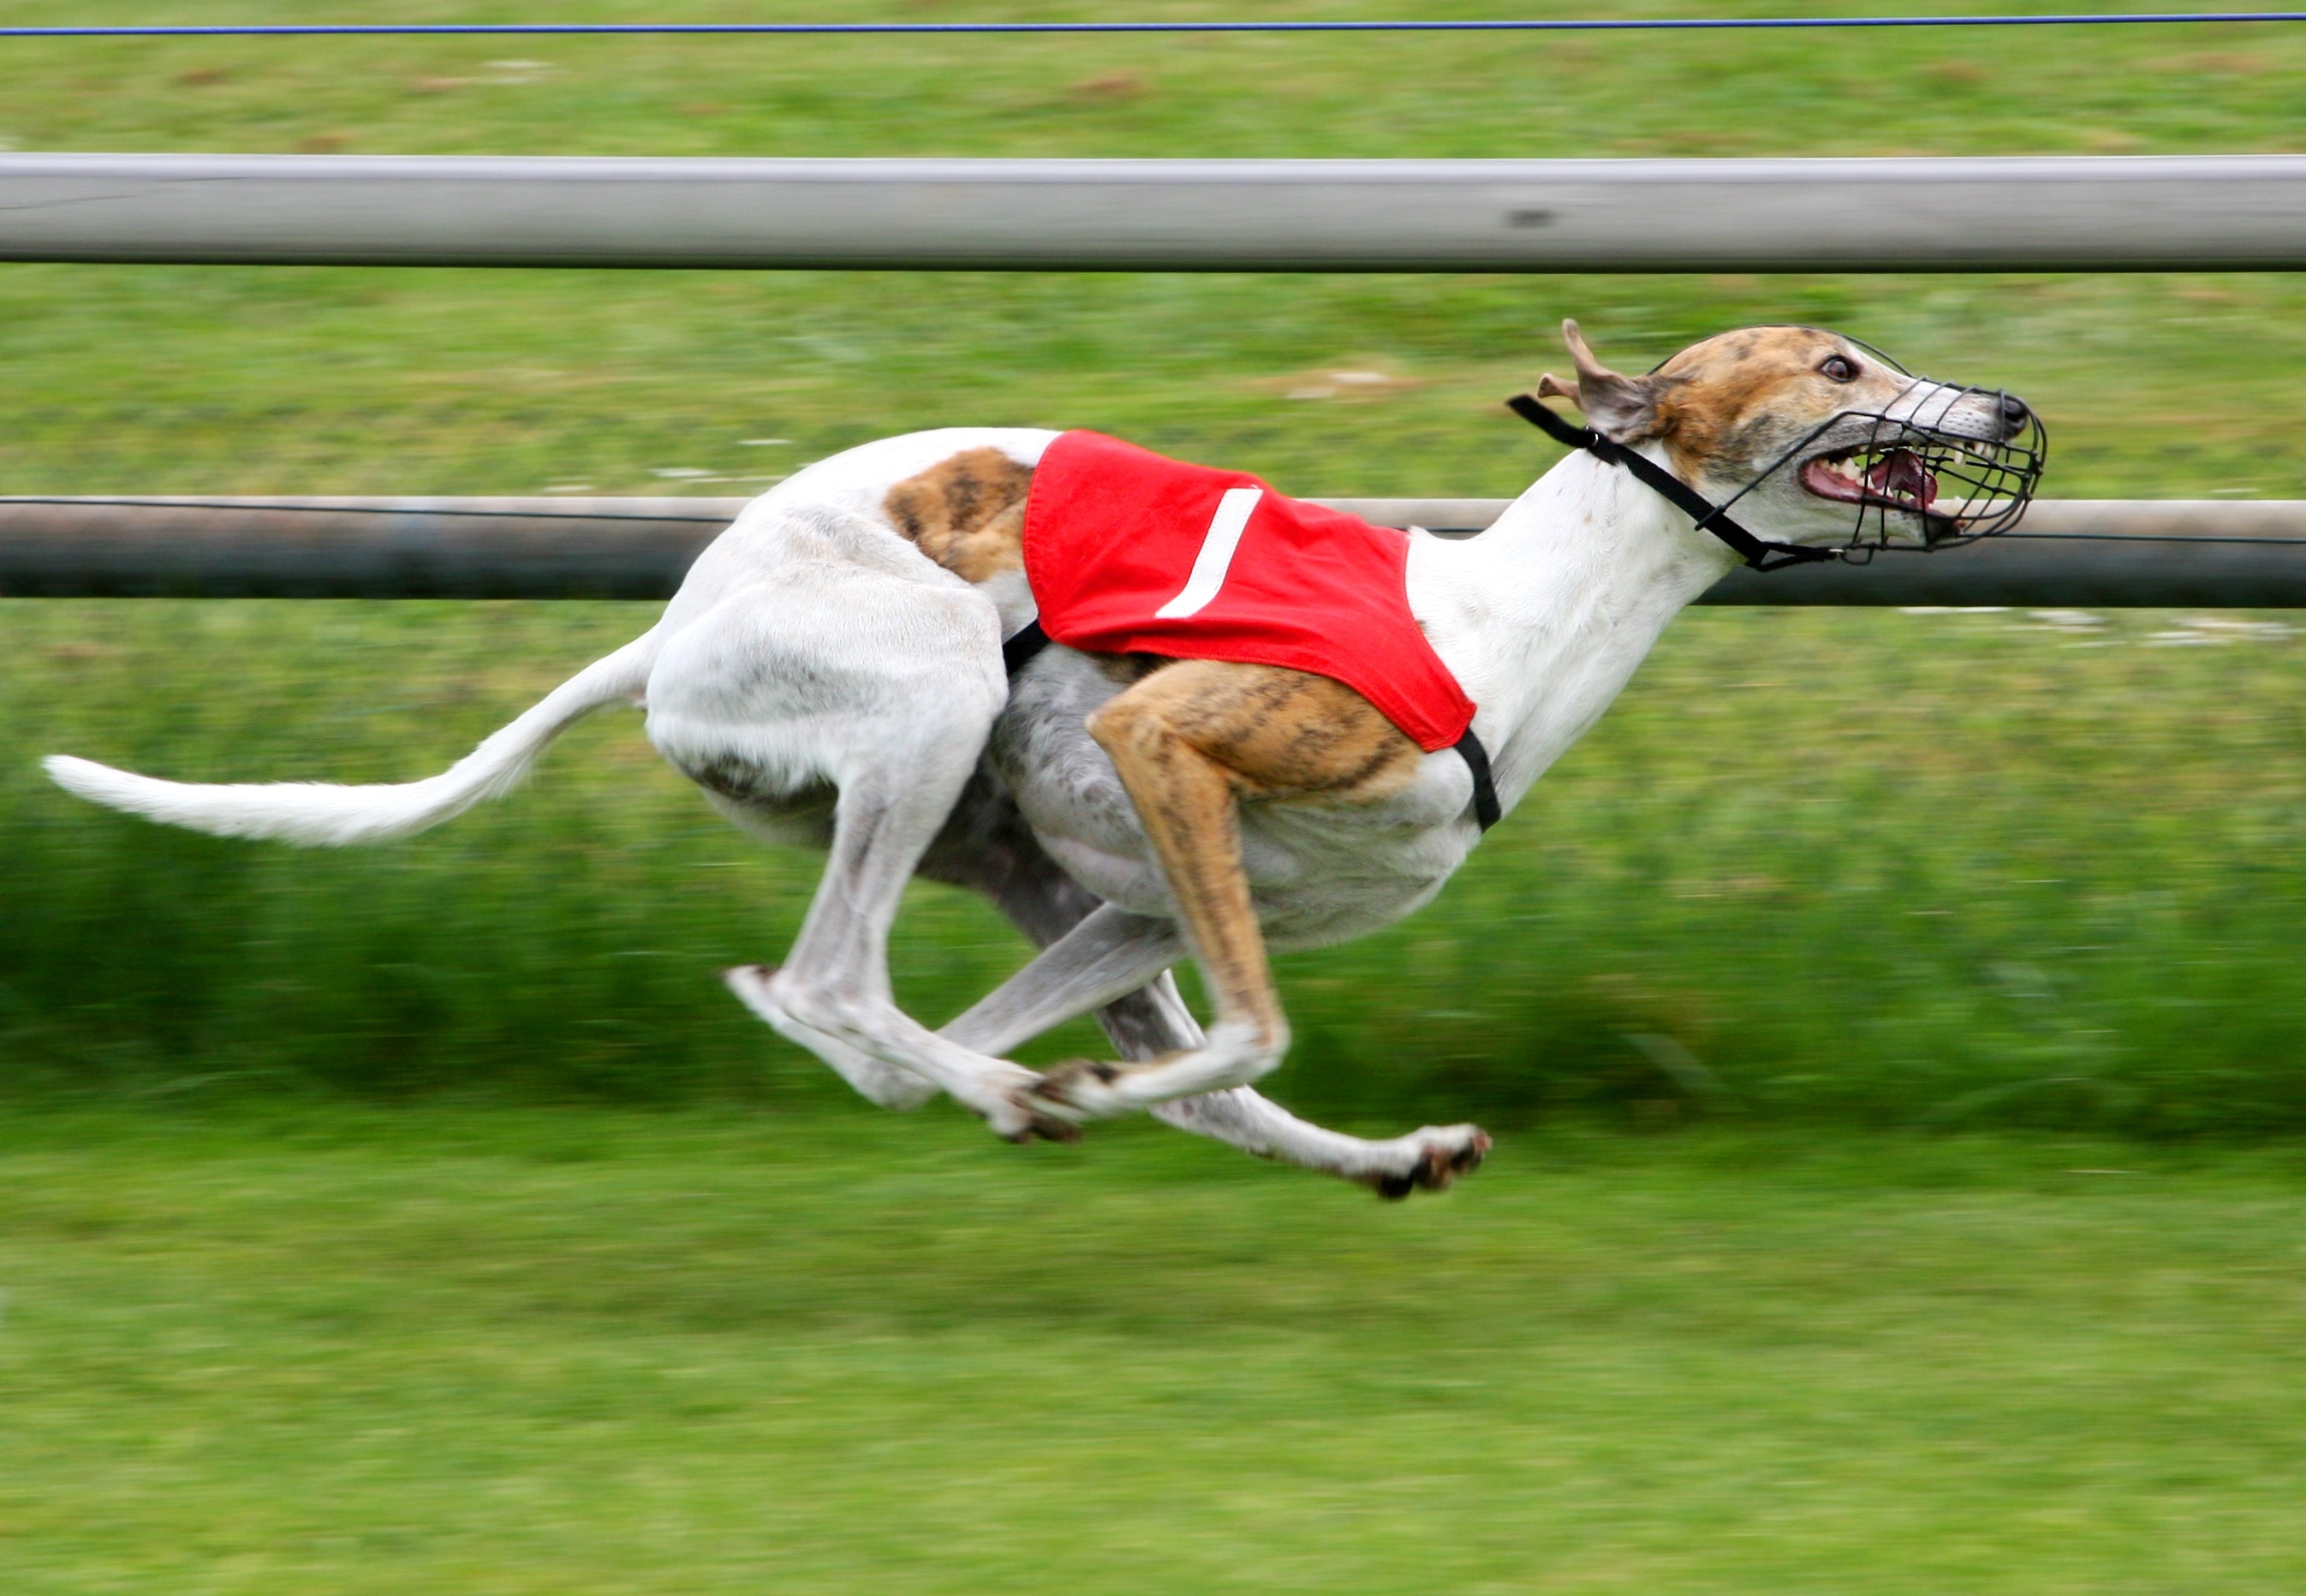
(1279, 733)
(967, 513)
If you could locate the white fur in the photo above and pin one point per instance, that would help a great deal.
(319, 813)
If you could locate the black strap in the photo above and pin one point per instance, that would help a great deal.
(1757, 552)
(1031, 640)
(1020, 649)
(1486, 810)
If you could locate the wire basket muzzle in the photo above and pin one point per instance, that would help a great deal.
(1971, 487)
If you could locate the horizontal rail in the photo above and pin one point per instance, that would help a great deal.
(1999, 213)
(940, 30)
(355, 548)
(2078, 553)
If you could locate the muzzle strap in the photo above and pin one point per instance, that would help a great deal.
(1757, 552)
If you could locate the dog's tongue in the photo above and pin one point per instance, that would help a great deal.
(1899, 474)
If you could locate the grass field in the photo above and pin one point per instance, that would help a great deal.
(337, 1350)
(1944, 870)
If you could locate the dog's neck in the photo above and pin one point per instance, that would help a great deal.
(1545, 615)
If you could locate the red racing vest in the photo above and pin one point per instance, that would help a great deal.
(1128, 552)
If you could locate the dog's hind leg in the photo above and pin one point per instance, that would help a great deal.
(1106, 958)
(883, 1085)
(848, 665)
(834, 984)
(988, 847)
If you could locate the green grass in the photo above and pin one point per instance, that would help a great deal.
(579, 1351)
(1935, 870)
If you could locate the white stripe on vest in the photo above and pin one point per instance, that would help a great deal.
(1216, 558)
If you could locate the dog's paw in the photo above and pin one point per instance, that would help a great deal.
(750, 983)
(1055, 1105)
(1438, 1154)
(1023, 1116)
(878, 1082)
(1076, 1090)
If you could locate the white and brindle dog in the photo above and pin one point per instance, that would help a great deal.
(831, 672)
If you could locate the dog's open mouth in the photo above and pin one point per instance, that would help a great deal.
(1889, 478)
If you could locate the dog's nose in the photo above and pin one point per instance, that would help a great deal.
(2014, 413)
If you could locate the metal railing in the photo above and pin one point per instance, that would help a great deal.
(2101, 213)
(1998, 214)
(2078, 553)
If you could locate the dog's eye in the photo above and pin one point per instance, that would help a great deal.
(1839, 367)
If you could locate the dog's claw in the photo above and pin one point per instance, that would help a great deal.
(1040, 1127)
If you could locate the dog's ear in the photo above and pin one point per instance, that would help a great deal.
(1621, 407)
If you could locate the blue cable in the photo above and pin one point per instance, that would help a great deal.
(1644, 24)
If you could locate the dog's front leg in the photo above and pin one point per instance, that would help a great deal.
(1154, 1021)
(1186, 800)
(1189, 743)
(1107, 949)
(1427, 1160)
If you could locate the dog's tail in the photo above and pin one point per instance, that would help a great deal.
(318, 814)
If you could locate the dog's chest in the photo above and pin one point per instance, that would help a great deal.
(1319, 872)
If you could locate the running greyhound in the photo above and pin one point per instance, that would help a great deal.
(831, 673)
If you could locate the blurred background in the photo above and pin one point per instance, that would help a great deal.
(1894, 1022)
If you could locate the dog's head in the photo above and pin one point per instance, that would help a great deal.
(1820, 439)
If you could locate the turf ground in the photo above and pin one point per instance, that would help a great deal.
(564, 1352)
